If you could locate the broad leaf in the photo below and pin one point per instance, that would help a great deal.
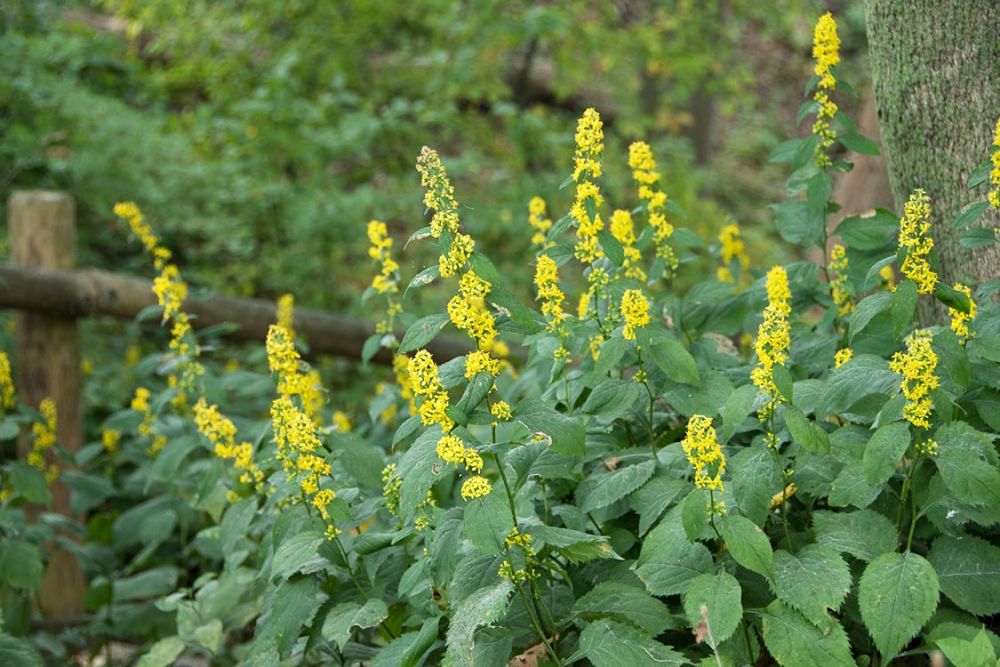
(748, 544)
(600, 490)
(814, 581)
(897, 594)
(864, 534)
(795, 642)
(884, 450)
(721, 595)
(343, 617)
(483, 607)
(606, 643)
(969, 571)
(625, 604)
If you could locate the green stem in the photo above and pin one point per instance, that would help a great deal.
(913, 510)
(905, 491)
(536, 626)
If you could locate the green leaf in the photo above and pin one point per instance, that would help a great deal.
(748, 544)
(675, 361)
(612, 352)
(602, 489)
(485, 606)
(884, 450)
(783, 381)
(19, 652)
(288, 610)
(163, 653)
(668, 562)
(897, 594)
(419, 468)
(422, 332)
(29, 482)
(737, 408)
(785, 151)
(868, 233)
(148, 584)
(485, 268)
(694, 515)
(612, 247)
(295, 552)
(871, 278)
(864, 534)
(970, 214)
(474, 393)
(967, 471)
(653, 498)
(606, 643)
(904, 304)
(721, 595)
(575, 546)
(87, 491)
(565, 432)
(347, 615)
(614, 398)
(851, 489)
(408, 649)
(978, 652)
(372, 345)
(9, 428)
(624, 604)
(951, 297)
(795, 224)
(21, 564)
(756, 479)
(795, 642)
(813, 581)
(488, 520)
(969, 571)
(858, 143)
(865, 312)
(808, 434)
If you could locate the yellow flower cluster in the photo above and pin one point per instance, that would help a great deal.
(959, 320)
(623, 229)
(43, 438)
(169, 288)
(915, 240)
(481, 362)
(538, 221)
(645, 173)
(476, 486)
(515, 539)
(779, 499)
(838, 286)
(635, 311)
(500, 411)
(424, 380)
(221, 433)
(110, 439)
(826, 51)
(888, 278)
(917, 365)
(140, 403)
(468, 311)
(994, 195)
(391, 485)
(380, 251)
(702, 448)
(6, 383)
(733, 250)
(296, 438)
(842, 357)
(285, 313)
(401, 367)
(773, 338)
(439, 196)
(549, 293)
(341, 421)
(587, 166)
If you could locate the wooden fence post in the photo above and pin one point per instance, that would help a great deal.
(43, 234)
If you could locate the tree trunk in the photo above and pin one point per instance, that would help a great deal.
(936, 71)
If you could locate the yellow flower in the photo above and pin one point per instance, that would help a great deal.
(476, 487)
(538, 220)
(110, 439)
(549, 293)
(170, 290)
(391, 484)
(322, 500)
(644, 171)
(994, 195)
(294, 430)
(779, 499)
(450, 449)
(424, 380)
(341, 421)
(960, 320)
(838, 286)
(773, 338)
(439, 194)
(500, 411)
(481, 362)
(635, 311)
(826, 51)
(221, 433)
(381, 243)
(468, 311)
(917, 365)
(587, 165)
(888, 278)
(733, 250)
(6, 383)
(130, 212)
(286, 313)
(282, 357)
(703, 451)
(915, 240)
(842, 357)
(43, 438)
(623, 229)
(401, 367)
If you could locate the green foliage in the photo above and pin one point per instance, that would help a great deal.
(564, 499)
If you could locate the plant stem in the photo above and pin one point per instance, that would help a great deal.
(536, 626)
(904, 492)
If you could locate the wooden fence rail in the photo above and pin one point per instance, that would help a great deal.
(50, 295)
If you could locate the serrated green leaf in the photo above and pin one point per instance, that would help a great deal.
(488, 520)
(295, 551)
(339, 621)
(968, 569)
(653, 498)
(29, 482)
(408, 649)
(483, 607)
(675, 361)
(967, 470)
(864, 534)
(795, 642)
(884, 450)
(737, 408)
(565, 432)
(748, 544)
(288, 610)
(977, 652)
(694, 515)
(756, 479)
(870, 232)
(897, 594)
(783, 381)
(668, 562)
(865, 312)
(721, 595)
(602, 489)
(809, 435)
(624, 604)
(814, 581)
(575, 546)
(606, 643)
(904, 304)
(614, 398)
(419, 468)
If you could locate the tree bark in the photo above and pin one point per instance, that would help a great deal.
(936, 71)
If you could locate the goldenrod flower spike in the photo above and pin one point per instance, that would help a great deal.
(838, 285)
(917, 366)
(915, 240)
(6, 383)
(826, 51)
(623, 229)
(549, 293)
(439, 196)
(43, 439)
(732, 249)
(702, 448)
(959, 320)
(587, 166)
(646, 175)
(285, 313)
(538, 221)
(635, 311)
(994, 195)
(773, 339)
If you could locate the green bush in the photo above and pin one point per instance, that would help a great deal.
(766, 467)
